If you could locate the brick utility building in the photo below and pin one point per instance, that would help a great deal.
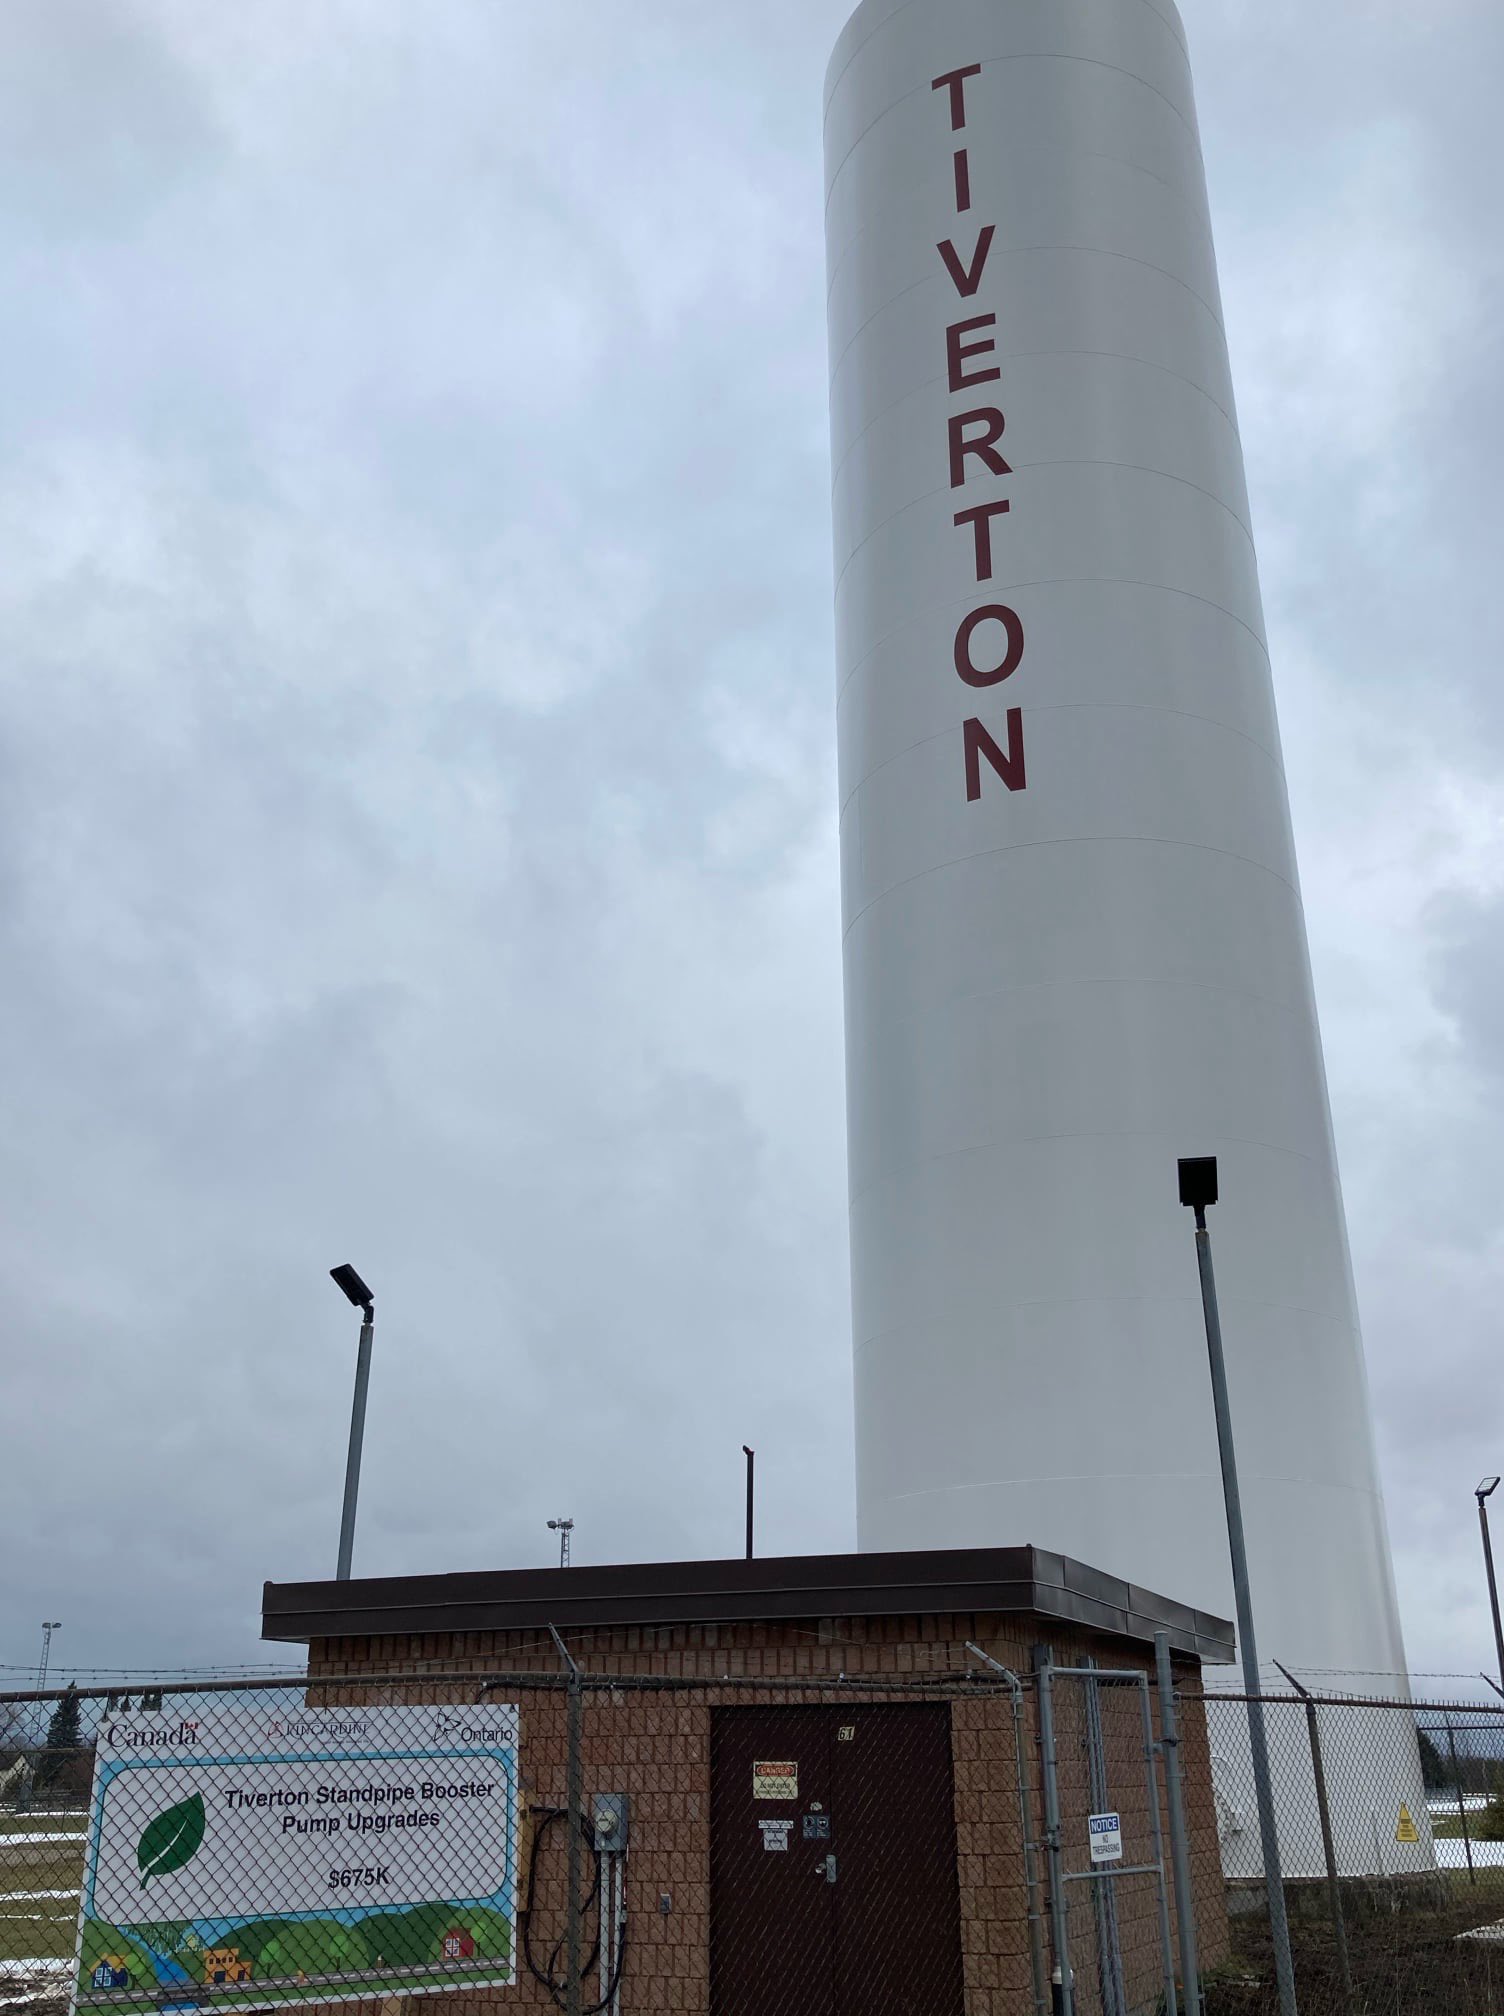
(834, 1806)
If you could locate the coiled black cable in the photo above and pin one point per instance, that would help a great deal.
(547, 1817)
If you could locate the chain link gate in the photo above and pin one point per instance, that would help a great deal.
(1104, 1843)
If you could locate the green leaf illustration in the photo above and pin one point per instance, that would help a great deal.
(172, 1839)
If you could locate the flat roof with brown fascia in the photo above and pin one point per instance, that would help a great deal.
(1008, 1581)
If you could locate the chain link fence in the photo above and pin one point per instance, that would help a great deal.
(1394, 1889)
(980, 1844)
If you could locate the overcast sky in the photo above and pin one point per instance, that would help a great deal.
(417, 786)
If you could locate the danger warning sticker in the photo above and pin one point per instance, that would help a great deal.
(775, 1781)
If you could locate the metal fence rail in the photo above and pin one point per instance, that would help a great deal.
(981, 1844)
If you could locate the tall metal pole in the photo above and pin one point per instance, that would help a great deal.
(1180, 1854)
(357, 1444)
(1493, 1585)
(1258, 1740)
(751, 1456)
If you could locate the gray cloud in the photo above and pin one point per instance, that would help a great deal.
(417, 799)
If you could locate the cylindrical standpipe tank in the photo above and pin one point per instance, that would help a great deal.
(1074, 943)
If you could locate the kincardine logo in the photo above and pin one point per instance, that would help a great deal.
(318, 1725)
(172, 1736)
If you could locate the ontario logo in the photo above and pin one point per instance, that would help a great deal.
(171, 1840)
(458, 1730)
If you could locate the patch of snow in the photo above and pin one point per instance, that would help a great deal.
(1486, 1854)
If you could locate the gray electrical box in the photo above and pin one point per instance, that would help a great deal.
(612, 1814)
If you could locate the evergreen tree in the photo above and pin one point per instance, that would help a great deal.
(64, 1739)
(1433, 1769)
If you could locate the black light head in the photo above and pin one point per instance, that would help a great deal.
(1198, 1181)
(354, 1289)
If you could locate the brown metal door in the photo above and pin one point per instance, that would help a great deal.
(772, 1905)
(833, 1885)
(898, 1909)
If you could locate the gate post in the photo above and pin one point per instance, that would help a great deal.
(1180, 1856)
(1026, 1817)
(1065, 1992)
(574, 1801)
(1328, 1848)
(1467, 1835)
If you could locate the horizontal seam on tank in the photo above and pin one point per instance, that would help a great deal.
(1178, 983)
(1087, 1301)
(1079, 707)
(1029, 356)
(1071, 153)
(1062, 462)
(1062, 581)
(1091, 251)
(997, 63)
(1096, 1134)
(832, 84)
(1212, 1471)
(1074, 840)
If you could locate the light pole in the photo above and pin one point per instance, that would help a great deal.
(356, 1292)
(751, 1456)
(47, 1631)
(1198, 1190)
(46, 1660)
(1484, 1492)
(563, 1527)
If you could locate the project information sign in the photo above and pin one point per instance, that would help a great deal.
(253, 1858)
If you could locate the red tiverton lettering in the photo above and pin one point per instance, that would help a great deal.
(980, 518)
(957, 352)
(955, 82)
(983, 445)
(968, 278)
(978, 433)
(963, 181)
(1009, 765)
(1013, 630)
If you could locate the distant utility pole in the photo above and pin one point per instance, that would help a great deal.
(47, 1631)
(46, 1660)
(563, 1527)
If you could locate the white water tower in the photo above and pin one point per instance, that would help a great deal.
(1075, 949)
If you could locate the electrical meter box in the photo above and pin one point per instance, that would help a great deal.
(612, 1810)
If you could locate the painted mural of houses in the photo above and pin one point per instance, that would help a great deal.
(457, 1945)
(112, 1972)
(223, 1967)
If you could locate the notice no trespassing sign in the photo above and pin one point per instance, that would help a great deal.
(1106, 1834)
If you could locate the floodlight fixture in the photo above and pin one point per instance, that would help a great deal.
(354, 1289)
(1198, 1181)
